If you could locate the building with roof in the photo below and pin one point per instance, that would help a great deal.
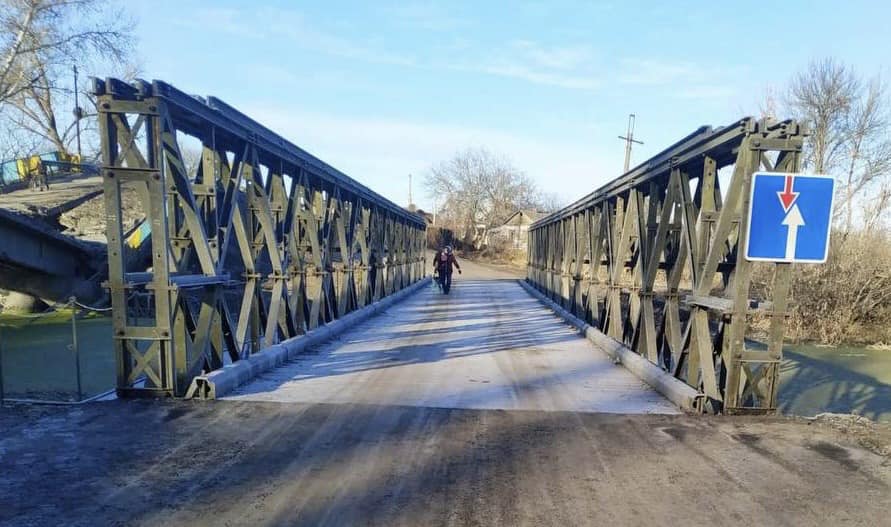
(514, 231)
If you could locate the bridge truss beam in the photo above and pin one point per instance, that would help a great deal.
(257, 243)
(654, 260)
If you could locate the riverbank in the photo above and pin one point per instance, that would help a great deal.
(872, 436)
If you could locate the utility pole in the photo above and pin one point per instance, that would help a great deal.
(410, 200)
(78, 113)
(629, 139)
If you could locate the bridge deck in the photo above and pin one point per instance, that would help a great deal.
(487, 345)
(65, 193)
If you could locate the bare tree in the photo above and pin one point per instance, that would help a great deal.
(850, 128)
(768, 107)
(47, 37)
(191, 159)
(549, 202)
(479, 189)
(822, 95)
(868, 147)
(15, 145)
(875, 209)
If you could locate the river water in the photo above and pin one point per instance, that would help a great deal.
(815, 379)
(47, 357)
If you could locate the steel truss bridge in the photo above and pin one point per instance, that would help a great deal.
(654, 260)
(261, 243)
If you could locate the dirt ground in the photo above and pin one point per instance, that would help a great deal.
(88, 220)
(238, 462)
(515, 266)
(74, 206)
(253, 463)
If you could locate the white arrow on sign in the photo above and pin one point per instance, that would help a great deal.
(793, 220)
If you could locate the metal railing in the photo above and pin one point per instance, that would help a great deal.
(653, 259)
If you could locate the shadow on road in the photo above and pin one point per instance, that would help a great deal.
(429, 328)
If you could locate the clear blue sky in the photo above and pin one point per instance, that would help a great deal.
(383, 89)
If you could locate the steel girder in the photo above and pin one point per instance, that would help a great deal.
(260, 243)
(653, 260)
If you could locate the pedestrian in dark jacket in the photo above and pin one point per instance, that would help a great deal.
(443, 263)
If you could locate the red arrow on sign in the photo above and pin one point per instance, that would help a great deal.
(787, 197)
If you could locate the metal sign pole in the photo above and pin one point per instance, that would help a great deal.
(75, 346)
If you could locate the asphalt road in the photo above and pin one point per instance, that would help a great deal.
(422, 441)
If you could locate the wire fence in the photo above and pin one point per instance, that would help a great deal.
(64, 354)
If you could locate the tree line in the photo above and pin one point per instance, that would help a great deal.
(848, 113)
(41, 42)
(477, 189)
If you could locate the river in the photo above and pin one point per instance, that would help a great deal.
(39, 358)
(815, 379)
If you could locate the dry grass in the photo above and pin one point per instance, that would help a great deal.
(845, 300)
(502, 252)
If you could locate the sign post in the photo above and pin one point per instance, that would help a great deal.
(790, 217)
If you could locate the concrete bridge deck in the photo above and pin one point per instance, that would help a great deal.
(492, 413)
(487, 345)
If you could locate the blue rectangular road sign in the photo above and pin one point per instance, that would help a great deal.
(790, 216)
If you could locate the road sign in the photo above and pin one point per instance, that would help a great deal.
(790, 216)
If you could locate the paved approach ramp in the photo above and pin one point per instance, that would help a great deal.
(487, 345)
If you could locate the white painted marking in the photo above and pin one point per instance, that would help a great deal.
(793, 220)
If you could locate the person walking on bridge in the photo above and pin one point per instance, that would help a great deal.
(39, 177)
(443, 263)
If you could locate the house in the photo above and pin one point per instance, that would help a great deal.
(515, 230)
